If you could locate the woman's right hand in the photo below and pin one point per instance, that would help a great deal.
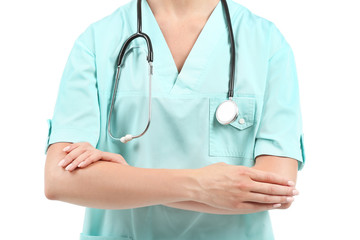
(241, 188)
(83, 154)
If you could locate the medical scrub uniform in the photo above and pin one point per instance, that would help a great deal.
(184, 132)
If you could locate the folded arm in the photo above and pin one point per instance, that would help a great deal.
(284, 166)
(109, 185)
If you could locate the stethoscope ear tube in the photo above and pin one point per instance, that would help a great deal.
(139, 33)
(150, 56)
(232, 59)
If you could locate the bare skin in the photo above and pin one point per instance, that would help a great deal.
(282, 166)
(181, 22)
(105, 181)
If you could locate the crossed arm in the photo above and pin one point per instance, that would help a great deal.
(98, 184)
(283, 166)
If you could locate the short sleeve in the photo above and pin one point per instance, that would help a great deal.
(76, 115)
(280, 131)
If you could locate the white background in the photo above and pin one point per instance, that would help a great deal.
(36, 38)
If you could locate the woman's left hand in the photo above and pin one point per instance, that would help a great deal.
(82, 154)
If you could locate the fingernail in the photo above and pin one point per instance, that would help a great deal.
(68, 167)
(61, 163)
(289, 199)
(277, 205)
(291, 183)
(295, 192)
(82, 163)
(66, 148)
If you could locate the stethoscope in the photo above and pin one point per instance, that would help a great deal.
(226, 113)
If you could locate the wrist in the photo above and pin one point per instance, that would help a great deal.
(195, 192)
(189, 187)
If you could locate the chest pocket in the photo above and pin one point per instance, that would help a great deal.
(236, 139)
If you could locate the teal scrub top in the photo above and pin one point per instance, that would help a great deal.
(184, 132)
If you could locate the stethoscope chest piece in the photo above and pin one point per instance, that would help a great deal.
(227, 112)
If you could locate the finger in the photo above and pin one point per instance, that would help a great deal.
(71, 147)
(85, 163)
(71, 156)
(121, 161)
(89, 160)
(268, 177)
(264, 198)
(113, 157)
(273, 189)
(258, 207)
(67, 148)
(75, 163)
(124, 162)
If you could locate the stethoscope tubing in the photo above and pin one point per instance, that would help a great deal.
(232, 43)
(150, 57)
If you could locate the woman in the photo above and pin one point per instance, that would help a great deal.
(189, 177)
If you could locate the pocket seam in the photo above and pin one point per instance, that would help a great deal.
(248, 116)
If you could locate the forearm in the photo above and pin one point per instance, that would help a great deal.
(286, 167)
(109, 185)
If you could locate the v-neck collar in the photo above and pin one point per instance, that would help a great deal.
(165, 69)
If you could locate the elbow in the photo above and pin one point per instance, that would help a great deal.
(54, 176)
(50, 183)
(49, 190)
(49, 195)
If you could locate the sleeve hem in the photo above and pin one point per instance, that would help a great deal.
(69, 135)
(264, 146)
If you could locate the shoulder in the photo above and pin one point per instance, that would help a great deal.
(243, 17)
(117, 19)
(255, 28)
(107, 26)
